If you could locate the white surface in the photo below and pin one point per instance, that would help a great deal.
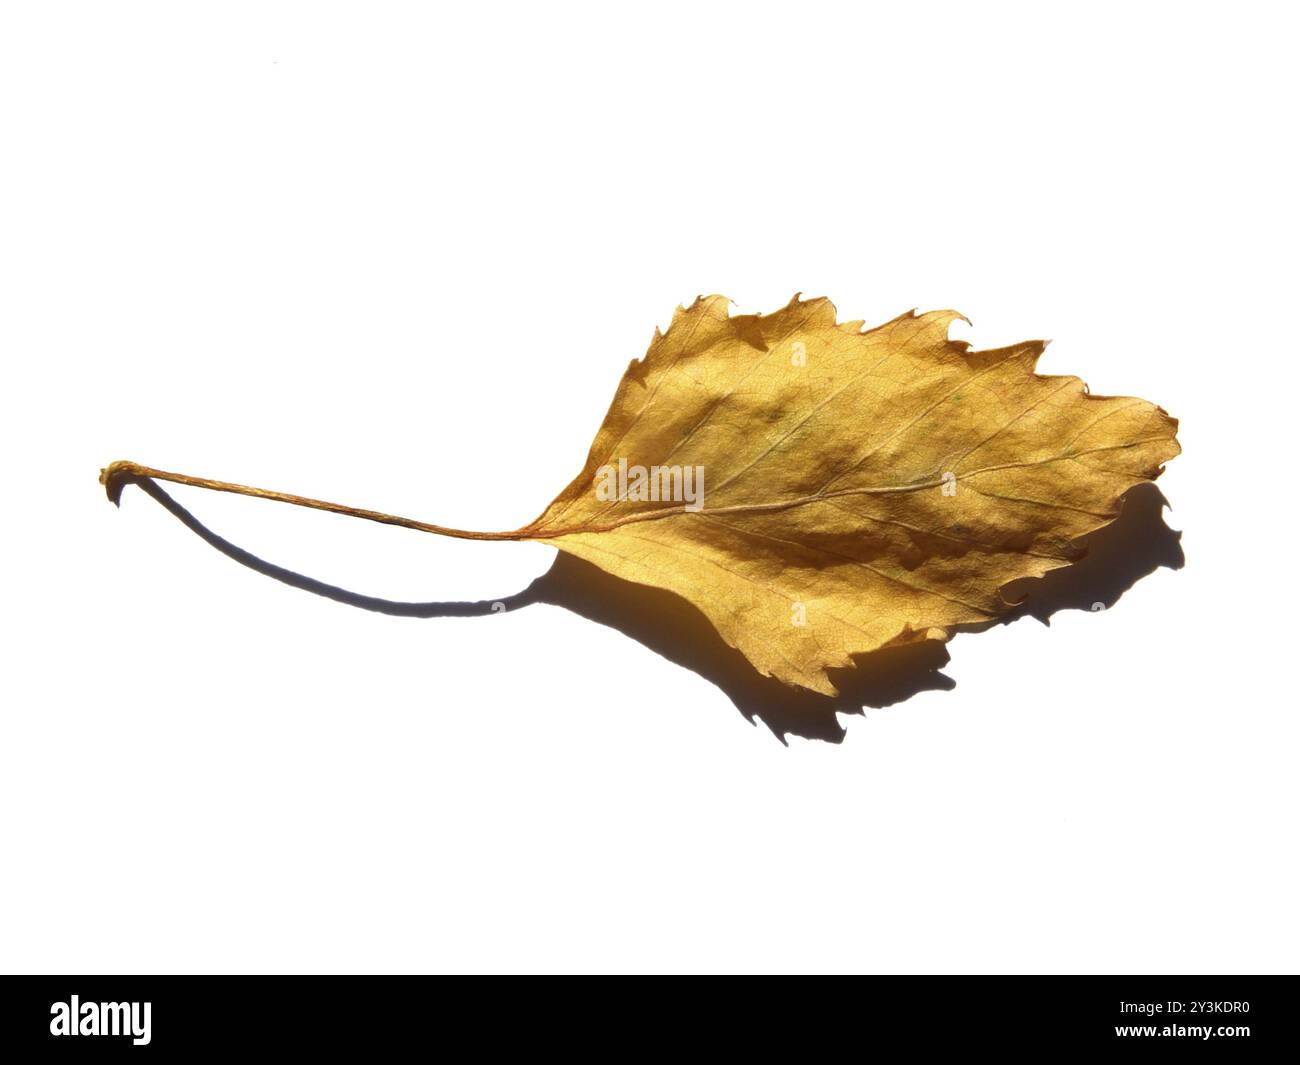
(398, 256)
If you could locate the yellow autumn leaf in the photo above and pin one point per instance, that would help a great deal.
(819, 491)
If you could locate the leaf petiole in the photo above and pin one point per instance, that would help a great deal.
(118, 474)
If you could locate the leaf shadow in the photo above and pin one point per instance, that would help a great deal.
(1134, 545)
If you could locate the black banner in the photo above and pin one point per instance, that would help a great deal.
(163, 1015)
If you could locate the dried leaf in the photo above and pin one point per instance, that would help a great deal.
(819, 491)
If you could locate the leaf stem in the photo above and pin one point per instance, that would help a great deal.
(118, 474)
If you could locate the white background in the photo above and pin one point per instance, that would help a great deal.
(398, 256)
